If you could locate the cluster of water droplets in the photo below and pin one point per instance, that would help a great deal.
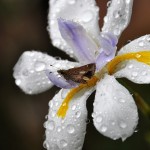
(134, 70)
(64, 133)
(118, 16)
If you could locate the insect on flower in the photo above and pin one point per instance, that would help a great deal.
(79, 74)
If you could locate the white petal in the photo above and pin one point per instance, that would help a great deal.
(115, 113)
(67, 133)
(29, 71)
(133, 70)
(140, 44)
(118, 16)
(83, 11)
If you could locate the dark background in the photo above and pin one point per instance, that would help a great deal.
(23, 27)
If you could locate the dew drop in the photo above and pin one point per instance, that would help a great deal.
(123, 125)
(56, 42)
(116, 14)
(116, 31)
(46, 145)
(58, 129)
(18, 82)
(138, 55)
(39, 66)
(87, 16)
(108, 3)
(70, 129)
(73, 107)
(128, 1)
(78, 114)
(25, 72)
(134, 74)
(122, 100)
(141, 43)
(50, 125)
(144, 73)
(130, 66)
(63, 143)
(113, 123)
(71, 2)
(98, 119)
(148, 38)
(103, 128)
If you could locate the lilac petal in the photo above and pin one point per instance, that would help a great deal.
(108, 49)
(59, 81)
(83, 46)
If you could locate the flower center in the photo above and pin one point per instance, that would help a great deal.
(142, 56)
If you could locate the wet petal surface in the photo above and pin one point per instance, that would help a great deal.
(131, 69)
(29, 71)
(83, 11)
(118, 16)
(67, 133)
(115, 113)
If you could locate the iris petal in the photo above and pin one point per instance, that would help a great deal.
(83, 46)
(115, 112)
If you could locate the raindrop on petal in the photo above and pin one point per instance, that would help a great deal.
(50, 125)
(141, 43)
(123, 125)
(70, 129)
(39, 66)
(18, 82)
(103, 128)
(87, 16)
(98, 119)
(78, 114)
(63, 143)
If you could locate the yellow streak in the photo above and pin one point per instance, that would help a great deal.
(65, 104)
(142, 56)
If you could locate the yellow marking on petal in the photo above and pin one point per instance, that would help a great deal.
(65, 104)
(141, 56)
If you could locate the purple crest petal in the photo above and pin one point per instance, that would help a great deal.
(83, 46)
(108, 43)
(59, 81)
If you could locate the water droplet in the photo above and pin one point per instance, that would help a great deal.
(144, 73)
(39, 66)
(103, 128)
(63, 143)
(73, 107)
(58, 129)
(108, 3)
(71, 2)
(57, 42)
(148, 38)
(138, 55)
(50, 125)
(87, 16)
(134, 74)
(98, 119)
(18, 82)
(123, 125)
(141, 43)
(122, 100)
(130, 66)
(116, 14)
(46, 145)
(25, 72)
(128, 1)
(70, 129)
(116, 31)
(78, 114)
(113, 123)
(63, 93)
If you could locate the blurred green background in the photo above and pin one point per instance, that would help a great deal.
(23, 27)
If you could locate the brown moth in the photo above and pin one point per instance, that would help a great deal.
(79, 74)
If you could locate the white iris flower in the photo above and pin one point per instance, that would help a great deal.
(73, 28)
